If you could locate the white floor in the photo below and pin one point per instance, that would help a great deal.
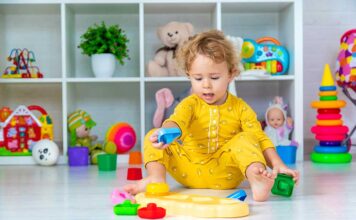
(61, 192)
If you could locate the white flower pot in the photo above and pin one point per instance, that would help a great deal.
(103, 65)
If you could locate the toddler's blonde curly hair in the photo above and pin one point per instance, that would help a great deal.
(212, 44)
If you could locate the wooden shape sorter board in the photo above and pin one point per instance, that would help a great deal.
(196, 205)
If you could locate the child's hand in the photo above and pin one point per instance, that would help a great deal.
(284, 169)
(158, 145)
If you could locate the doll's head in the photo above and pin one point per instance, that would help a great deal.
(276, 114)
(79, 125)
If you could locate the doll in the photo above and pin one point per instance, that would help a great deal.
(278, 125)
(79, 124)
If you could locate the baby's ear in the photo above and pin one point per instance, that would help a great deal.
(234, 71)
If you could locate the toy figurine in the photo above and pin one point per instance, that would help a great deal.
(279, 125)
(79, 124)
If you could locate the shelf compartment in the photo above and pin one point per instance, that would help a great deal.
(78, 17)
(108, 104)
(36, 27)
(253, 21)
(263, 93)
(203, 16)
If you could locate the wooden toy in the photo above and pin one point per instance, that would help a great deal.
(196, 205)
(22, 65)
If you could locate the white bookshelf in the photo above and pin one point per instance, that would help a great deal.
(52, 29)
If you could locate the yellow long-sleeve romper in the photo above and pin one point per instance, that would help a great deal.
(218, 143)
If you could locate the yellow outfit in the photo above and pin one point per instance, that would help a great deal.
(218, 143)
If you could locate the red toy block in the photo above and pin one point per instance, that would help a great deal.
(134, 173)
(151, 211)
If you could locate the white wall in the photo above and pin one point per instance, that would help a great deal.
(324, 23)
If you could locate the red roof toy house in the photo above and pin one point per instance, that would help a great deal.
(21, 130)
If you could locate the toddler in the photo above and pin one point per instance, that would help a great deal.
(222, 143)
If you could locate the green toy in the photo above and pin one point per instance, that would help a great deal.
(79, 125)
(283, 185)
(126, 208)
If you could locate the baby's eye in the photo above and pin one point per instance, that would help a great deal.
(198, 79)
(215, 78)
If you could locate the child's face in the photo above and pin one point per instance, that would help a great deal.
(275, 118)
(82, 131)
(209, 79)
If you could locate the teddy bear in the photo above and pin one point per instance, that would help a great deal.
(172, 35)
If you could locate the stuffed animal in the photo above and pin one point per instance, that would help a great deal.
(172, 35)
(166, 104)
(237, 42)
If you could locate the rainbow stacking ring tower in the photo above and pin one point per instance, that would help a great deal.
(329, 129)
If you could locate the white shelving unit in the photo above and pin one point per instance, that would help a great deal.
(52, 29)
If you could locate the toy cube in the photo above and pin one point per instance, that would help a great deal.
(283, 185)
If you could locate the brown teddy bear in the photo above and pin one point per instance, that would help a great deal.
(172, 35)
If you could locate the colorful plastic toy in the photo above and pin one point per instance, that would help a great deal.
(107, 162)
(151, 212)
(157, 189)
(126, 208)
(346, 61)
(119, 196)
(283, 185)
(239, 194)
(346, 70)
(331, 157)
(21, 130)
(196, 205)
(272, 58)
(22, 65)
(122, 135)
(287, 153)
(134, 173)
(329, 128)
(168, 135)
(78, 156)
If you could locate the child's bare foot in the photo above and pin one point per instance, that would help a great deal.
(140, 186)
(261, 182)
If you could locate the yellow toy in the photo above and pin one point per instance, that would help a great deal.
(196, 205)
(157, 189)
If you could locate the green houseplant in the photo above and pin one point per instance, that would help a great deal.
(101, 43)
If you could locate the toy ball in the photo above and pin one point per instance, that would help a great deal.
(122, 135)
(45, 152)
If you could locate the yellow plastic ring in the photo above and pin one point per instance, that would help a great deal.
(328, 93)
(328, 104)
(329, 122)
(157, 189)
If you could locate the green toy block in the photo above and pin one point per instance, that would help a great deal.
(283, 185)
(126, 208)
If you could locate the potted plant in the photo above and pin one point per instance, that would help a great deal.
(104, 45)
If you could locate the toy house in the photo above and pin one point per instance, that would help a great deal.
(21, 130)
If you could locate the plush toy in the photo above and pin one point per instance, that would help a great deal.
(172, 35)
(237, 42)
(79, 125)
(166, 104)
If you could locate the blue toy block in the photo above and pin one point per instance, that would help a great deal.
(239, 194)
(168, 135)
